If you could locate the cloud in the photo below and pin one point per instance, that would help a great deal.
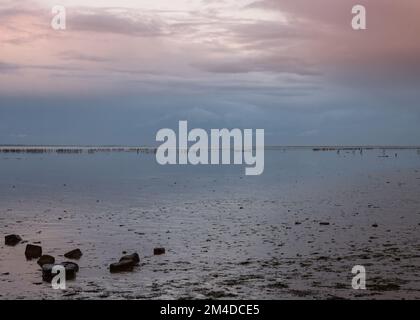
(272, 52)
(324, 26)
(12, 67)
(124, 22)
(80, 56)
(8, 67)
(260, 63)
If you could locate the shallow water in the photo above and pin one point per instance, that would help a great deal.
(226, 235)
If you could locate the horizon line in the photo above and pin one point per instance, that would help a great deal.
(91, 146)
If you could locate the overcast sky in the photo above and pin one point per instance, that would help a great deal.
(124, 69)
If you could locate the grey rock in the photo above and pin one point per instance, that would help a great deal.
(122, 266)
(158, 251)
(46, 259)
(131, 257)
(12, 239)
(70, 268)
(70, 265)
(33, 251)
(74, 254)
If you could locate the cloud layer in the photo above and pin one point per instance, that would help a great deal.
(294, 66)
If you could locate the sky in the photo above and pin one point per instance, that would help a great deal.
(124, 69)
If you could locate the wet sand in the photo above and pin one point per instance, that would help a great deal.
(226, 236)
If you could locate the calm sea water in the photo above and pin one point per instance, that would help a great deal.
(128, 175)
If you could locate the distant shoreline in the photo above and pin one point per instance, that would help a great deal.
(149, 149)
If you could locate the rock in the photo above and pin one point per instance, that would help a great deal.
(46, 259)
(126, 263)
(158, 251)
(12, 240)
(69, 264)
(74, 254)
(122, 266)
(131, 257)
(70, 268)
(47, 272)
(374, 225)
(32, 251)
(324, 223)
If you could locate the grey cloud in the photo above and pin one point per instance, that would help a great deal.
(104, 21)
(261, 63)
(8, 67)
(9, 9)
(79, 56)
(12, 67)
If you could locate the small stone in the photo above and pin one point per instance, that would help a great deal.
(374, 225)
(32, 251)
(12, 239)
(46, 259)
(122, 266)
(158, 251)
(74, 254)
(324, 223)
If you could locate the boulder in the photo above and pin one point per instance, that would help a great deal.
(324, 223)
(33, 251)
(158, 251)
(122, 266)
(74, 254)
(12, 239)
(134, 258)
(46, 259)
(69, 267)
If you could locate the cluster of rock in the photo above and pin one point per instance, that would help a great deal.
(47, 262)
